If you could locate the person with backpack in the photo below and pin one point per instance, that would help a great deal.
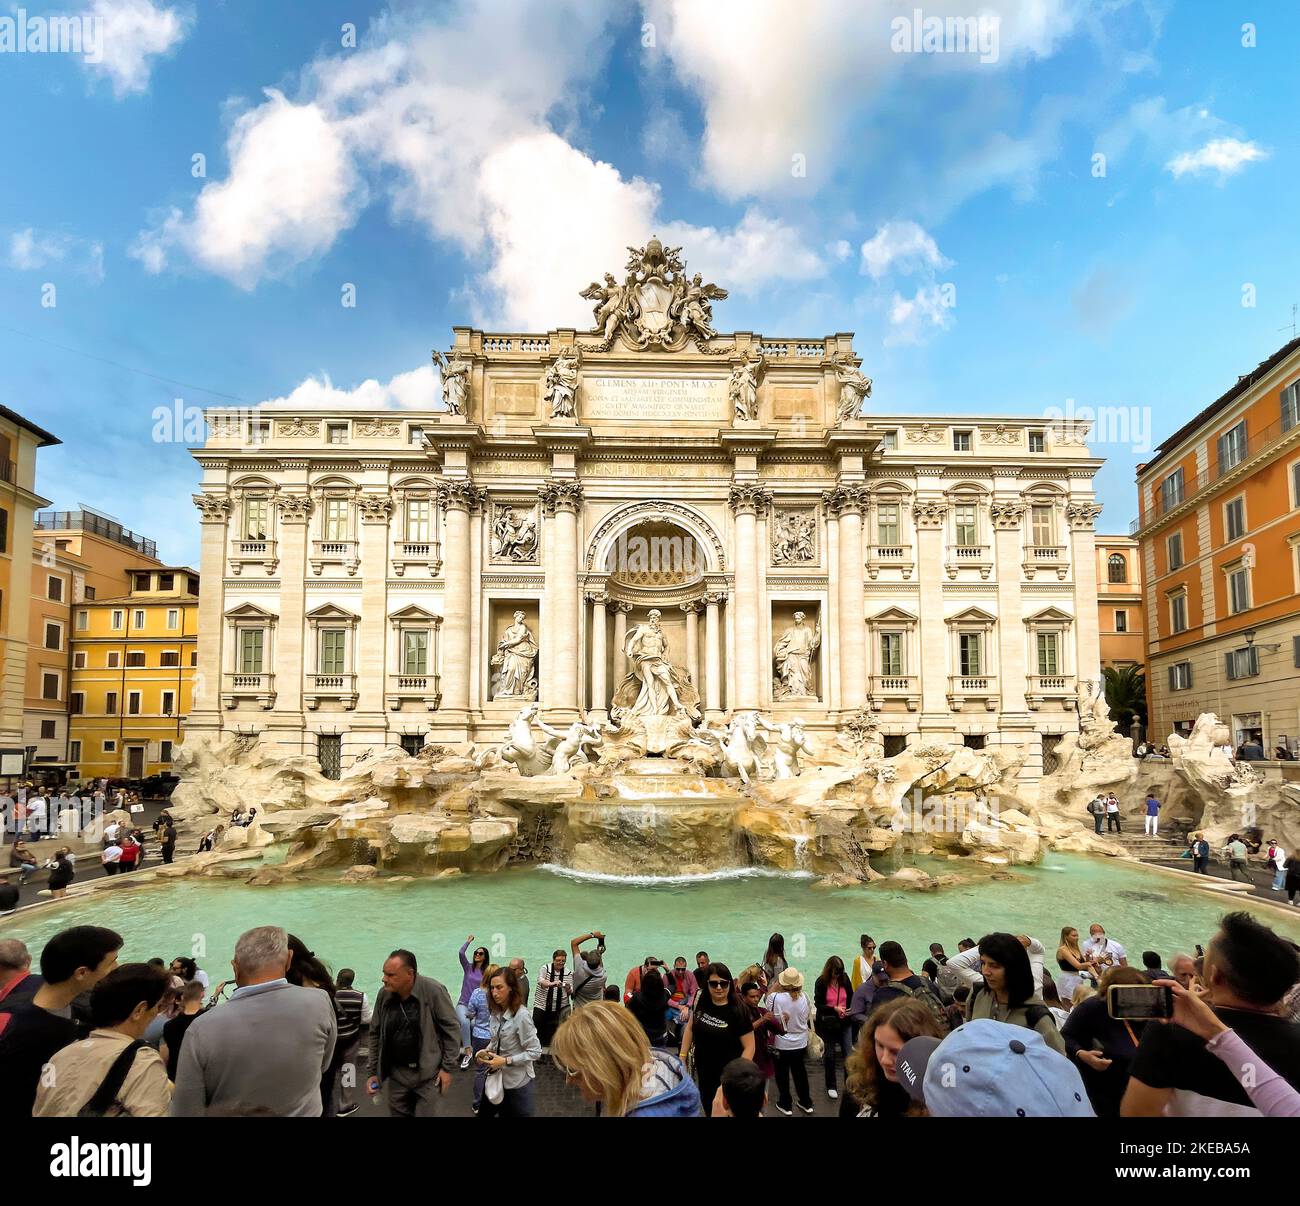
(1097, 810)
(832, 996)
(588, 969)
(113, 1072)
(904, 982)
(1008, 992)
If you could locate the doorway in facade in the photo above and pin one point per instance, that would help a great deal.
(135, 762)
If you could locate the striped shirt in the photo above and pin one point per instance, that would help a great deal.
(348, 1002)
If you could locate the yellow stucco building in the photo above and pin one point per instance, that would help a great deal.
(133, 669)
(19, 441)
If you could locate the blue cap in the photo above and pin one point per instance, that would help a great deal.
(994, 1069)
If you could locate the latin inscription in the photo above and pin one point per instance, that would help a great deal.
(653, 399)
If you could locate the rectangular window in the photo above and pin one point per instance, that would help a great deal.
(117, 620)
(970, 647)
(1174, 549)
(135, 658)
(416, 435)
(1121, 620)
(54, 589)
(259, 431)
(169, 657)
(967, 532)
(1180, 676)
(142, 582)
(137, 618)
(329, 751)
(412, 743)
(133, 703)
(888, 526)
(110, 703)
(49, 730)
(415, 653)
(114, 659)
(77, 704)
(1238, 591)
(891, 654)
(79, 661)
(74, 751)
(53, 636)
(257, 518)
(1234, 519)
(1291, 406)
(168, 703)
(332, 647)
(83, 618)
(418, 520)
(194, 657)
(1232, 447)
(961, 441)
(192, 585)
(250, 650)
(1171, 490)
(336, 519)
(1242, 663)
(1178, 613)
(173, 617)
(49, 686)
(166, 581)
(4, 530)
(889, 440)
(1048, 654)
(1042, 521)
(90, 594)
(336, 433)
(165, 751)
(110, 747)
(1037, 441)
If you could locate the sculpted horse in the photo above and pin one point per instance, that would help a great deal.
(739, 749)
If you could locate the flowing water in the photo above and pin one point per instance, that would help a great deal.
(531, 912)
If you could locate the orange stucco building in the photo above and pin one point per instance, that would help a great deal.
(1219, 529)
(1120, 628)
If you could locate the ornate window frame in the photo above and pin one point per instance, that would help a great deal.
(344, 551)
(979, 555)
(1059, 687)
(402, 688)
(900, 556)
(905, 687)
(235, 684)
(342, 687)
(982, 687)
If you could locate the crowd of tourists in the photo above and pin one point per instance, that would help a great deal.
(1003, 1026)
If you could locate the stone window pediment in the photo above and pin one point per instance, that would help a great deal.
(331, 613)
(976, 616)
(894, 615)
(1050, 615)
(414, 614)
(250, 611)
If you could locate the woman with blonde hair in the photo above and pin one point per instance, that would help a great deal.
(603, 1051)
(871, 1086)
(1075, 969)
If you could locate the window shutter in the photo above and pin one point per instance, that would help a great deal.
(1230, 665)
(1172, 684)
(1295, 642)
(1223, 448)
(1189, 673)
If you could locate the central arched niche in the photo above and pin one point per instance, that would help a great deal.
(654, 555)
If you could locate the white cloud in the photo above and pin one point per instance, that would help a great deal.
(902, 246)
(775, 85)
(912, 319)
(32, 250)
(1226, 156)
(292, 189)
(453, 122)
(418, 389)
(131, 33)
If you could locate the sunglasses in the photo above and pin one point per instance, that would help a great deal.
(569, 1073)
(719, 983)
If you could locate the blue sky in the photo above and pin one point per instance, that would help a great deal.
(482, 163)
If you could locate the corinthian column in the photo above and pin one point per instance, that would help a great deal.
(370, 663)
(205, 710)
(746, 499)
(692, 611)
(560, 500)
(599, 656)
(712, 659)
(456, 500)
(846, 503)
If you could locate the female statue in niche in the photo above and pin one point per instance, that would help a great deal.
(516, 656)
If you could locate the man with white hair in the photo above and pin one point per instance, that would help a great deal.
(266, 1050)
(18, 984)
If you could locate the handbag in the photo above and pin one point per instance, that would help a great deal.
(494, 1086)
(816, 1047)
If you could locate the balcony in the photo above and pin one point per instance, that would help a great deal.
(260, 688)
(414, 688)
(335, 552)
(889, 556)
(895, 688)
(260, 551)
(1050, 688)
(416, 552)
(1050, 557)
(982, 688)
(340, 687)
(969, 556)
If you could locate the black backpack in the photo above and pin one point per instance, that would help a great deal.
(106, 1094)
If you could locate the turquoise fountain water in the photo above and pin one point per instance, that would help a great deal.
(529, 913)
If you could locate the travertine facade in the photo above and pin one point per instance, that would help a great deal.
(370, 578)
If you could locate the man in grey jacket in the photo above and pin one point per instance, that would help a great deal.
(264, 1051)
(414, 1039)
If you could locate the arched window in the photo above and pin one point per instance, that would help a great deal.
(1117, 567)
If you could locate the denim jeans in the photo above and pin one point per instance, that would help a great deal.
(516, 1103)
(463, 1013)
(836, 1037)
(480, 1070)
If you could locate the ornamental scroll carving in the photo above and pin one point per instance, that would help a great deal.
(1082, 516)
(1006, 515)
(213, 508)
(294, 508)
(926, 433)
(375, 508)
(1001, 434)
(298, 428)
(560, 496)
(378, 428)
(930, 514)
